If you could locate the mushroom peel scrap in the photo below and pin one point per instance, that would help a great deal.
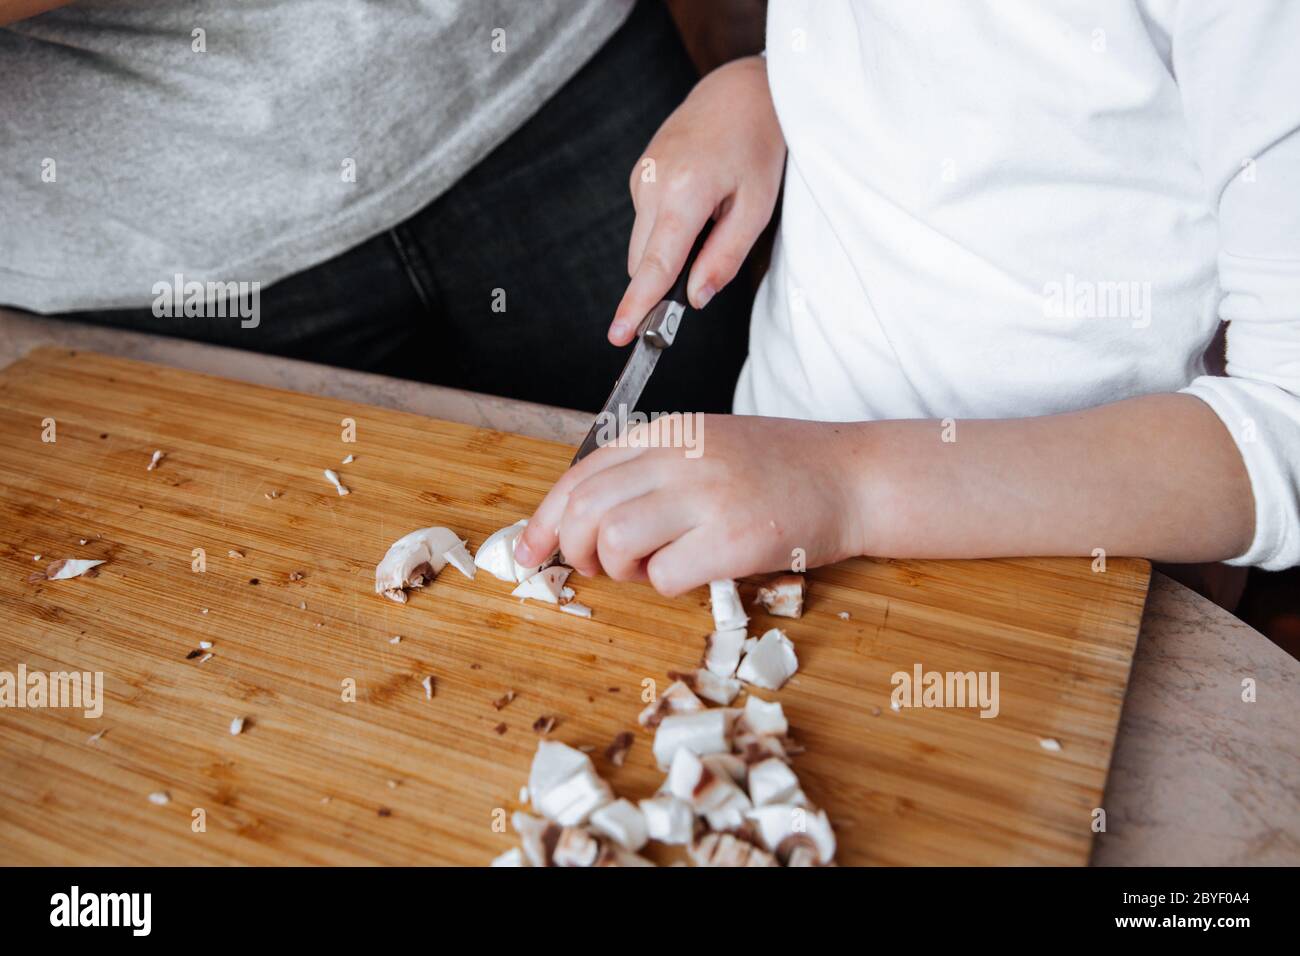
(415, 559)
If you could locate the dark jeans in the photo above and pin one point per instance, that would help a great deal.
(545, 217)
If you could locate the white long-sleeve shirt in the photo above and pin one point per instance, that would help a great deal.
(999, 209)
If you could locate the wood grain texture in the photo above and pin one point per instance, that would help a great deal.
(394, 778)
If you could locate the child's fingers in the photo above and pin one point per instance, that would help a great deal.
(637, 528)
(674, 232)
(542, 536)
(692, 560)
(591, 501)
(724, 252)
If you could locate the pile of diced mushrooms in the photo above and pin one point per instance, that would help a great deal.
(730, 796)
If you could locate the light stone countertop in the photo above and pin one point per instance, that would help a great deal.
(1198, 776)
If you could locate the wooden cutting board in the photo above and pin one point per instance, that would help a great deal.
(396, 778)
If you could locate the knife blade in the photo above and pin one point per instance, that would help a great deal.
(655, 334)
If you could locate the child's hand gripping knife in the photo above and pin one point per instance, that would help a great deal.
(759, 489)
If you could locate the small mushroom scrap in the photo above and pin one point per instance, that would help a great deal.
(415, 559)
(783, 596)
(546, 585)
(66, 568)
(728, 612)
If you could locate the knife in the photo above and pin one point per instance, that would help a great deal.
(654, 335)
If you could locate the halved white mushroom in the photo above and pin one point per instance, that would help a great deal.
(546, 585)
(761, 717)
(496, 555)
(722, 651)
(621, 822)
(708, 685)
(771, 663)
(724, 849)
(414, 560)
(783, 596)
(668, 819)
(772, 781)
(705, 732)
(677, 698)
(782, 827)
(728, 613)
(67, 568)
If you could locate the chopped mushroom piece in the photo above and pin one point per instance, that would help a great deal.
(160, 797)
(546, 585)
(501, 702)
(705, 732)
(761, 717)
(783, 596)
(772, 781)
(676, 699)
(347, 461)
(724, 849)
(413, 560)
(1050, 743)
(576, 609)
(843, 615)
(537, 837)
(576, 846)
(722, 651)
(564, 785)
(332, 477)
(153, 461)
(706, 792)
(460, 559)
(232, 553)
(236, 726)
(708, 685)
(621, 822)
(66, 568)
(668, 819)
(771, 663)
(729, 765)
(728, 612)
(427, 684)
(782, 827)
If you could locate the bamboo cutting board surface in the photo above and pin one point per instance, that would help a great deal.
(396, 778)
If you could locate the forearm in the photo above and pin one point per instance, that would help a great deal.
(1157, 476)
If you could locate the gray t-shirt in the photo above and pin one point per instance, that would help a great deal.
(247, 141)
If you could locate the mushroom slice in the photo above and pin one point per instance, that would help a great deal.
(413, 560)
(783, 596)
(761, 717)
(771, 663)
(707, 792)
(576, 846)
(496, 555)
(728, 612)
(546, 585)
(621, 822)
(723, 849)
(332, 477)
(708, 685)
(705, 732)
(772, 781)
(668, 819)
(722, 651)
(782, 827)
(512, 857)
(67, 568)
(676, 699)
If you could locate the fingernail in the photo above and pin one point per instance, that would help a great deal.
(704, 295)
(619, 329)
